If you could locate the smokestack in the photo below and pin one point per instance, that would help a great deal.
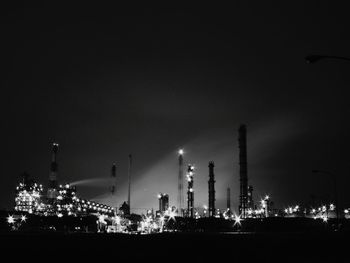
(114, 176)
(211, 183)
(52, 188)
(129, 176)
(243, 171)
(180, 193)
(228, 198)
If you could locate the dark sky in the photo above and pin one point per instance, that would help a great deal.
(106, 81)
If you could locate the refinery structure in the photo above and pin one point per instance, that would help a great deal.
(60, 208)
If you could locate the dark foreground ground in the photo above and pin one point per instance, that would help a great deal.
(181, 247)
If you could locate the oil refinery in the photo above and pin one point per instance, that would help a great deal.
(60, 208)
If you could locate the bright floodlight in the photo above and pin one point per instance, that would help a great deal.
(181, 152)
(10, 219)
(237, 219)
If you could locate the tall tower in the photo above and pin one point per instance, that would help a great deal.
(211, 183)
(129, 176)
(228, 204)
(52, 188)
(190, 193)
(243, 171)
(180, 194)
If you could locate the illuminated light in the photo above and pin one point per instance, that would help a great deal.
(23, 218)
(10, 219)
(191, 190)
(59, 215)
(313, 210)
(181, 152)
(117, 220)
(172, 215)
(267, 197)
(238, 220)
(159, 196)
(325, 219)
(346, 211)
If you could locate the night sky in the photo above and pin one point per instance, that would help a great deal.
(106, 81)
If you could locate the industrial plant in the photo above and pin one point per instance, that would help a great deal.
(60, 208)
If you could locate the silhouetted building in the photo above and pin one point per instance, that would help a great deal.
(243, 171)
(163, 202)
(211, 183)
(125, 209)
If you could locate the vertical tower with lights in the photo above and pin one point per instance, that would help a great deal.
(211, 186)
(52, 188)
(180, 194)
(190, 192)
(243, 171)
